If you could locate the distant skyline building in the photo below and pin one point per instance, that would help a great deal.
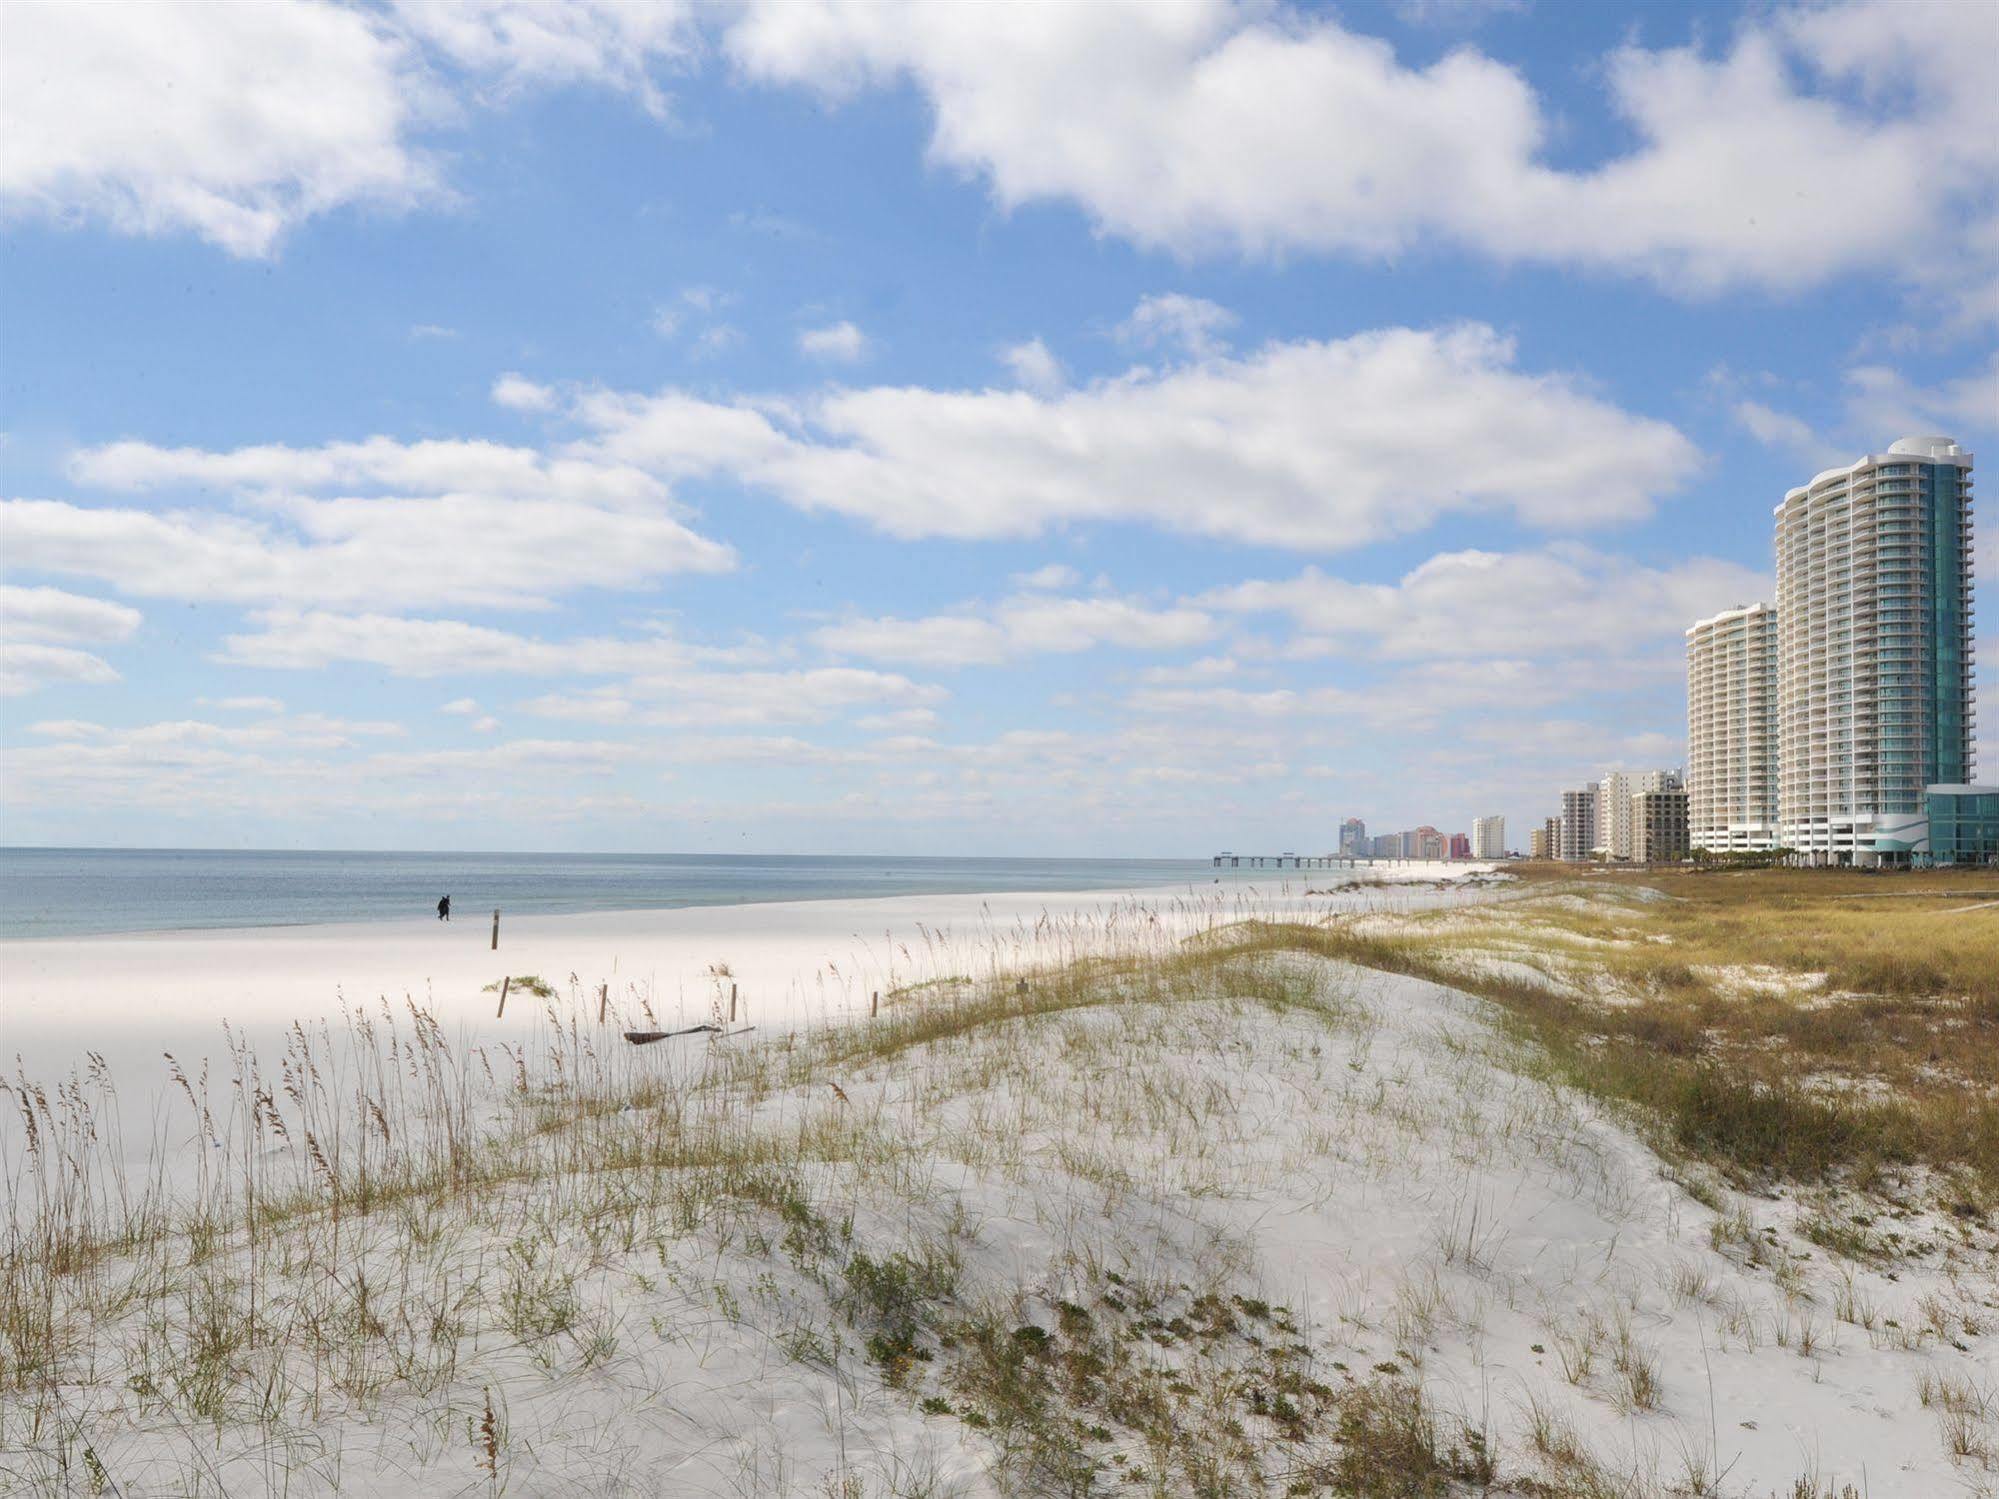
(1732, 730)
(1458, 847)
(1615, 834)
(1874, 651)
(1578, 835)
(1659, 825)
(1488, 838)
(1353, 838)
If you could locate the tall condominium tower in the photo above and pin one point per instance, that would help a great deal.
(1732, 730)
(1874, 651)
(1488, 838)
(1578, 837)
(1353, 837)
(1615, 830)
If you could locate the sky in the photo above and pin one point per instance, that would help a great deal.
(881, 426)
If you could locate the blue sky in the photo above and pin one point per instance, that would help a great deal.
(911, 428)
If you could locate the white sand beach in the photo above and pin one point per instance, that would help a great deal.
(1241, 1203)
(798, 964)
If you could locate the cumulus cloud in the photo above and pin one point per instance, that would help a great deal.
(1883, 400)
(1565, 600)
(471, 550)
(26, 666)
(665, 680)
(451, 523)
(1034, 366)
(520, 43)
(1054, 575)
(837, 343)
(41, 629)
(1030, 625)
(260, 117)
(1193, 325)
(50, 615)
(518, 393)
(1207, 126)
(228, 150)
(1317, 445)
(1785, 432)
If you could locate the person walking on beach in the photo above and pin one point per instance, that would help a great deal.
(444, 909)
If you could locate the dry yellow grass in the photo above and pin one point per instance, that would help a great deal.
(1801, 1024)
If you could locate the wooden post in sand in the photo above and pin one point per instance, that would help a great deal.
(732, 1004)
(504, 983)
(496, 929)
(603, 1001)
(874, 1004)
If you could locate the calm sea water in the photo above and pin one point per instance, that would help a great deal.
(81, 892)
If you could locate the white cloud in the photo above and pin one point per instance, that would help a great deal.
(1207, 126)
(695, 303)
(901, 721)
(485, 725)
(1206, 669)
(1032, 624)
(251, 704)
(51, 616)
(25, 667)
(837, 343)
(1035, 367)
(1784, 432)
(295, 640)
(39, 632)
(1056, 575)
(1318, 446)
(1564, 600)
(1884, 401)
(539, 42)
(233, 122)
(463, 706)
(464, 523)
(293, 768)
(1192, 324)
(666, 681)
(424, 467)
(474, 551)
(744, 697)
(518, 393)
(1455, 14)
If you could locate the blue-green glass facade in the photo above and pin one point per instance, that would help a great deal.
(1964, 824)
(1946, 623)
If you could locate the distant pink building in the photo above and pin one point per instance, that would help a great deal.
(1460, 846)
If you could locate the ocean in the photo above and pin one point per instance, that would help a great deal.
(72, 892)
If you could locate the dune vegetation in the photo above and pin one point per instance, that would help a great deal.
(1559, 1194)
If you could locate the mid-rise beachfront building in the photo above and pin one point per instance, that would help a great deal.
(1458, 847)
(1659, 825)
(1732, 730)
(1540, 841)
(1874, 652)
(1353, 838)
(1578, 834)
(1488, 838)
(1615, 835)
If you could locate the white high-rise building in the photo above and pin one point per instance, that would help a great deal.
(1732, 730)
(1578, 836)
(1874, 651)
(1616, 833)
(1488, 838)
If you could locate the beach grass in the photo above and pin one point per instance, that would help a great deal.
(1003, 1235)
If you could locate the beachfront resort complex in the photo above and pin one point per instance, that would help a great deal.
(1835, 725)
